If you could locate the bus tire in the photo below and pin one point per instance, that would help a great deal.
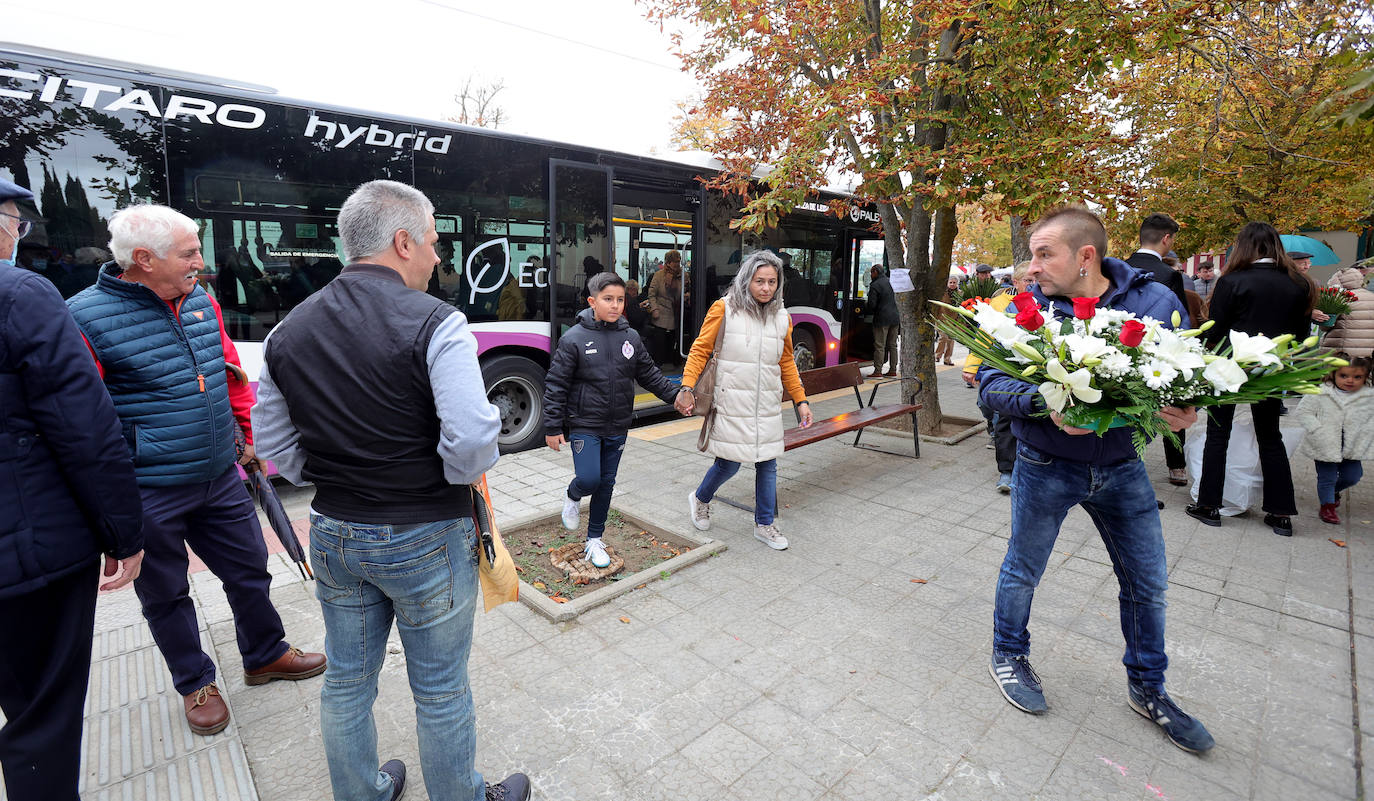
(515, 385)
(804, 351)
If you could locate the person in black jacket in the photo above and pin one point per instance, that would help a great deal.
(589, 399)
(68, 490)
(1157, 240)
(1261, 292)
(882, 304)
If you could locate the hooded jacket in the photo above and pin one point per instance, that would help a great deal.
(1340, 425)
(1131, 290)
(1353, 332)
(590, 385)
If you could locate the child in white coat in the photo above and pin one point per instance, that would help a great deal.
(1340, 432)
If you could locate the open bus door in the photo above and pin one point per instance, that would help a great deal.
(580, 238)
(861, 253)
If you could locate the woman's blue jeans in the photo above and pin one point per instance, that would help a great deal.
(1121, 502)
(765, 486)
(596, 460)
(1333, 478)
(424, 576)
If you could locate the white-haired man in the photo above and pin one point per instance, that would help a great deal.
(158, 340)
(371, 390)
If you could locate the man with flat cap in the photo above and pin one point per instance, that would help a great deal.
(68, 491)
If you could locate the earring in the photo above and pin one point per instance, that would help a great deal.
(1082, 272)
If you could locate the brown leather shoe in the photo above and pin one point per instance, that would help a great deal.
(293, 665)
(206, 710)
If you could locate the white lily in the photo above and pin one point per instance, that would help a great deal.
(996, 324)
(1225, 374)
(1247, 348)
(1083, 347)
(1064, 385)
(1177, 351)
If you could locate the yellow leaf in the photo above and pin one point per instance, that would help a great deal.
(624, 620)
(539, 585)
(918, 581)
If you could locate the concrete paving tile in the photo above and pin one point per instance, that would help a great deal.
(1273, 784)
(675, 779)
(679, 719)
(724, 753)
(776, 780)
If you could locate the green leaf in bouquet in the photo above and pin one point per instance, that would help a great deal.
(1066, 328)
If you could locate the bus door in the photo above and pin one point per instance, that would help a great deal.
(861, 254)
(648, 238)
(580, 237)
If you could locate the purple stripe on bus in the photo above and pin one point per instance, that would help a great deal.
(832, 354)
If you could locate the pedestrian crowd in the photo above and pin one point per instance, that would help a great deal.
(125, 421)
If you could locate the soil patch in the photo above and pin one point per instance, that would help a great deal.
(534, 547)
(950, 426)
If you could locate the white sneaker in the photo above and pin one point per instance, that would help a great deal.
(698, 511)
(596, 553)
(572, 514)
(769, 535)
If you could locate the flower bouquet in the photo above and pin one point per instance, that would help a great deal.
(1335, 302)
(1106, 368)
(975, 289)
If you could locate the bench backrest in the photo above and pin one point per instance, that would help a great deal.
(826, 379)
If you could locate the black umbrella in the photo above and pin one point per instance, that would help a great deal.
(276, 515)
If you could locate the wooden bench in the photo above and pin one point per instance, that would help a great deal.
(827, 379)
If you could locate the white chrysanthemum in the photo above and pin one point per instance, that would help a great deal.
(1114, 363)
(1158, 374)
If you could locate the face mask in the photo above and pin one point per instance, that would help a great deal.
(14, 254)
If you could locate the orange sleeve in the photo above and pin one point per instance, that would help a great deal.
(791, 379)
(705, 342)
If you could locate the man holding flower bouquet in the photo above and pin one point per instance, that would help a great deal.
(1060, 465)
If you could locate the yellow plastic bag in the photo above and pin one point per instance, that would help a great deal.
(495, 568)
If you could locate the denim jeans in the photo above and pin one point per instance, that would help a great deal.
(596, 460)
(1333, 478)
(765, 486)
(1121, 502)
(424, 575)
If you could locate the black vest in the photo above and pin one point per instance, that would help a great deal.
(351, 363)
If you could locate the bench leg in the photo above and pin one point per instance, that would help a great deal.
(857, 436)
(916, 436)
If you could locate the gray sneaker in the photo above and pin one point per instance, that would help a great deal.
(770, 536)
(1017, 680)
(698, 511)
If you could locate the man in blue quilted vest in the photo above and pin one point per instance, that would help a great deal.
(159, 342)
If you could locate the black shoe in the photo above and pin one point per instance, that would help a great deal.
(1281, 524)
(1206, 514)
(515, 787)
(396, 769)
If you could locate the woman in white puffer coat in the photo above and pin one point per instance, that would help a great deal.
(1353, 332)
(753, 368)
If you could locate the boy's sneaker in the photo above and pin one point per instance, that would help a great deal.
(1004, 484)
(596, 553)
(1186, 731)
(698, 511)
(770, 536)
(572, 514)
(1017, 680)
(515, 787)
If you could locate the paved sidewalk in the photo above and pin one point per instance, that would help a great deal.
(829, 670)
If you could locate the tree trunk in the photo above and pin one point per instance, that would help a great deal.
(1020, 240)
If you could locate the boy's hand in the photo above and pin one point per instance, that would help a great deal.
(555, 441)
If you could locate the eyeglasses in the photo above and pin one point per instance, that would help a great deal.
(24, 225)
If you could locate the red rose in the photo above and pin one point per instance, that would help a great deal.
(1024, 302)
(1084, 308)
(1132, 332)
(1030, 319)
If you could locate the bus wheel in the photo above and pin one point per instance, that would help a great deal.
(803, 349)
(515, 385)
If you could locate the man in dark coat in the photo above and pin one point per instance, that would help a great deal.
(67, 487)
(1156, 239)
(882, 304)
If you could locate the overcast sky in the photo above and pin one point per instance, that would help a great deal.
(591, 72)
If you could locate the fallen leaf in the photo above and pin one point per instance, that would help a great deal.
(624, 620)
(642, 533)
(558, 599)
(641, 586)
(665, 556)
(918, 581)
(539, 585)
(1339, 543)
(519, 569)
(581, 580)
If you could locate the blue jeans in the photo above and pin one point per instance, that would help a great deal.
(765, 486)
(596, 460)
(424, 575)
(1121, 502)
(1333, 478)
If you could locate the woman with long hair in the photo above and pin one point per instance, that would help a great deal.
(1261, 292)
(753, 367)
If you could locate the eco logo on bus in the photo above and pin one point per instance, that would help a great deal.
(538, 277)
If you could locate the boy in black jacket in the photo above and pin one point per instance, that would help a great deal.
(590, 393)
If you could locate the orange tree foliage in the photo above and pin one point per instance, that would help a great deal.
(983, 237)
(927, 104)
(1240, 120)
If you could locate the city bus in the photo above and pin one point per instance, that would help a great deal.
(522, 222)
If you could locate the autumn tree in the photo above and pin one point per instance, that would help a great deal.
(476, 104)
(1239, 121)
(928, 104)
(983, 237)
(695, 128)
